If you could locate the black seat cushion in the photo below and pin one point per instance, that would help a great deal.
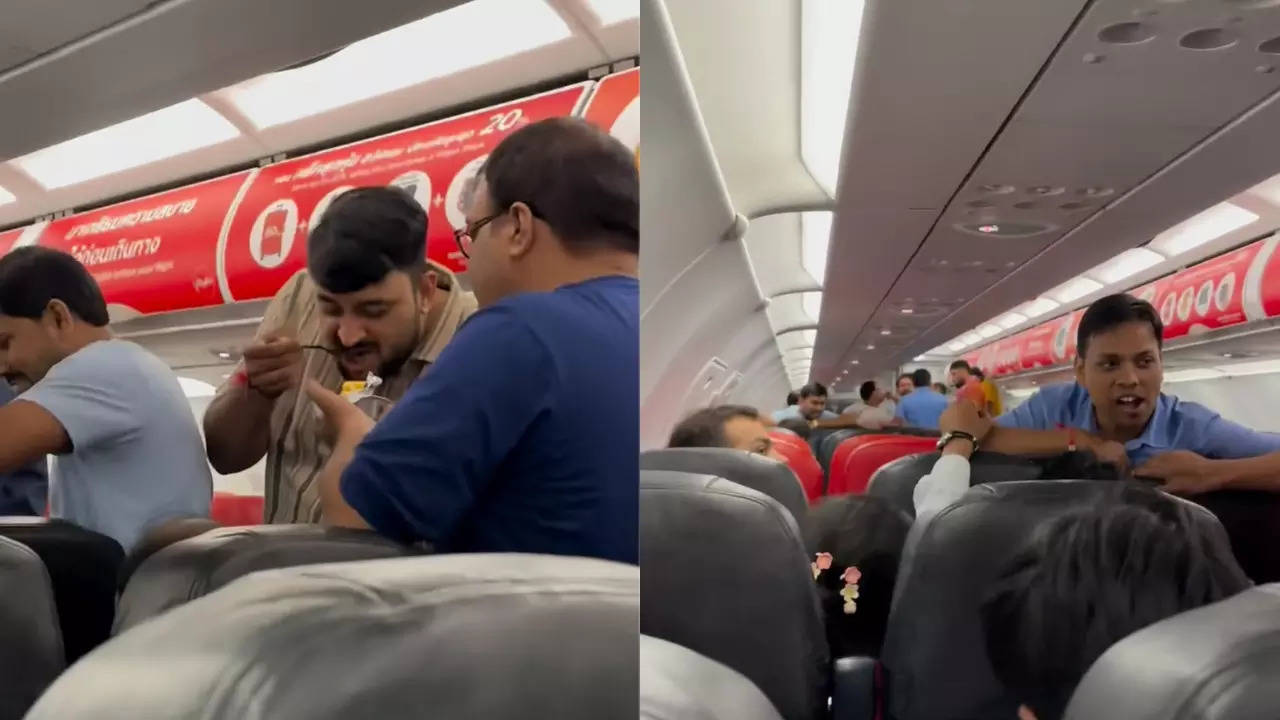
(896, 481)
(31, 652)
(197, 566)
(1218, 662)
(771, 477)
(83, 566)
(449, 636)
(1252, 520)
(677, 683)
(726, 575)
(934, 651)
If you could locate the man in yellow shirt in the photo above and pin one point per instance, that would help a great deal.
(994, 406)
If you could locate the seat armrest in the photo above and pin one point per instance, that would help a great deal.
(854, 692)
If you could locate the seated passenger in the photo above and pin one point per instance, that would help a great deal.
(1090, 578)
(524, 435)
(793, 399)
(24, 491)
(811, 407)
(128, 449)
(368, 294)
(1116, 409)
(924, 405)
(726, 426)
(856, 543)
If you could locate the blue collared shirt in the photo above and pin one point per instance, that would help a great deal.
(1175, 425)
(922, 408)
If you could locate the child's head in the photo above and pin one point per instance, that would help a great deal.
(1089, 578)
(863, 532)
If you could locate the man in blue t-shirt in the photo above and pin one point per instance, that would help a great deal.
(524, 434)
(24, 491)
(924, 405)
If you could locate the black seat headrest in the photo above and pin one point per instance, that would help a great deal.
(726, 575)
(197, 566)
(934, 650)
(31, 655)
(827, 448)
(773, 478)
(896, 481)
(449, 636)
(1218, 662)
(83, 567)
(677, 683)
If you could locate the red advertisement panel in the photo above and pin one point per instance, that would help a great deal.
(8, 238)
(1262, 282)
(154, 254)
(1205, 297)
(1037, 348)
(266, 241)
(615, 107)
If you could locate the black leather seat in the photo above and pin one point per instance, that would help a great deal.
(83, 567)
(725, 574)
(1218, 662)
(161, 537)
(677, 683)
(197, 566)
(757, 472)
(449, 636)
(896, 481)
(934, 651)
(1252, 520)
(31, 652)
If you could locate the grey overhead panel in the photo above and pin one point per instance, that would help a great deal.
(173, 51)
(30, 28)
(1114, 144)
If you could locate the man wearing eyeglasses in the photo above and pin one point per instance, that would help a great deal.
(524, 437)
(368, 302)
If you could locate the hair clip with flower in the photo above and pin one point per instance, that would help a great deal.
(822, 561)
(849, 592)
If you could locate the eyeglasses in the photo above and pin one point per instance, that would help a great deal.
(465, 236)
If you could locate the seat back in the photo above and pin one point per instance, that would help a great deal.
(450, 636)
(1218, 662)
(677, 683)
(161, 537)
(934, 651)
(31, 654)
(896, 480)
(232, 510)
(726, 575)
(83, 567)
(1252, 520)
(865, 454)
(757, 472)
(799, 457)
(197, 566)
(831, 442)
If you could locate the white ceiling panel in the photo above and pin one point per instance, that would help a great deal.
(773, 243)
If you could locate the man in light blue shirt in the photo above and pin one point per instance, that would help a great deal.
(128, 454)
(811, 407)
(924, 405)
(1116, 409)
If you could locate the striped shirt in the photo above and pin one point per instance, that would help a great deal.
(296, 453)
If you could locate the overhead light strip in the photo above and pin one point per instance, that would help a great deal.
(829, 33)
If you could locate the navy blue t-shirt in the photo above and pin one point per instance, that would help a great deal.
(522, 437)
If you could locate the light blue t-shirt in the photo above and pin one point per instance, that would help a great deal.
(1175, 425)
(137, 458)
(922, 408)
(793, 411)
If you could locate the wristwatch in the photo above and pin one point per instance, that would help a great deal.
(954, 434)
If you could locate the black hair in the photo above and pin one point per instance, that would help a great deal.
(866, 389)
(813, 390)
(32, 277)
(705, 427)
(796, 425)
(575, 177)
(1077, 465)
(960, 365)
(1112, 311)
(867, 532)
(792, 398)
(921, 378)
(1091, 577)
(365, 234)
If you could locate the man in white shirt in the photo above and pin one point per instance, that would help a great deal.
(876, 410)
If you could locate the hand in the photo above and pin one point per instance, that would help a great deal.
(1182, 472)
(273, 365)
(965, 417)
(344, 422)
(1108, 452)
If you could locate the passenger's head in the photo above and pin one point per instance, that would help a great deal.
(905, 385)
(871, 393)
(1118, 361)
(1090, 578)
(813, 400)
(555, 199)
(797, 426)
(725, 426)
(367, 257)
(960, 373)
(50, 307)
(865, 532)
(793, 398)
(940, 388)
(921, 378)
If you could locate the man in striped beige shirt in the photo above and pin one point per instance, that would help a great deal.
(384, 310)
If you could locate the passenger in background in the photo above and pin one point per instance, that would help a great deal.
(968, 386)
(905, 385)
(855, 542)
(924, 405)
(524, 436)
(793, 399)
(876, 411)
(726, 426)
(994, 406)
(941, 389)
(369, 294)
(812, 405)
(1090, 578)
(24, 491)
(128, 450)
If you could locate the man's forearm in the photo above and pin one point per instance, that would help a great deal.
(237, 429)
(1018, 441)
(1255, 473)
